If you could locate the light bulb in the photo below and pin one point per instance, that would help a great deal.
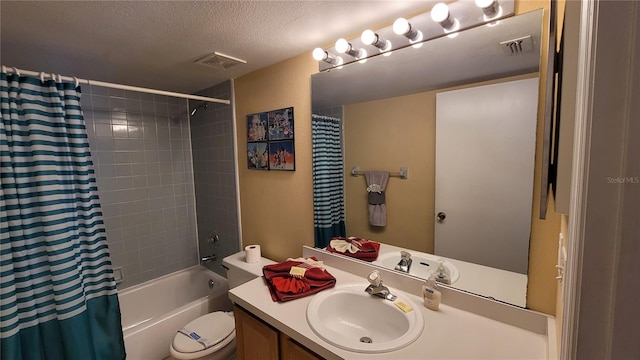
(401, 26)
(369, 37)
(319, 54)
(490, 8)
(342, 46)
(440, 12)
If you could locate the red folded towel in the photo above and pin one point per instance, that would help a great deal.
(367, 250)
(284, 287)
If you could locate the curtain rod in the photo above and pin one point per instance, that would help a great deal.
(112, 85)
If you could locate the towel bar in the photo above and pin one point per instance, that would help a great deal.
(403, 174)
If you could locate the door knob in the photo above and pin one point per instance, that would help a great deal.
(441, 216)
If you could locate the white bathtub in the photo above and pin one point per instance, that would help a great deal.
(153, 311)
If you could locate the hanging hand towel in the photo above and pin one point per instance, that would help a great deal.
(376, 185)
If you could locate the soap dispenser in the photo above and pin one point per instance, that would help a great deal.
(441, 273)
(430, 293)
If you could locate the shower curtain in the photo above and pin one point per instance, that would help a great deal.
(328, 184)
(57, 295)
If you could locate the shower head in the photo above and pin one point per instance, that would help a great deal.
(193, 112)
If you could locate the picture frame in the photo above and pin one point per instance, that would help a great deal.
(270, 140)
(282, 155)
(280, 124)
(257, 127)
(258, 155)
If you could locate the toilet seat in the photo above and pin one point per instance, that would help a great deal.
(218, 328)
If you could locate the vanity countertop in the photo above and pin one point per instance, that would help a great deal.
(507, 286)
(449, 333)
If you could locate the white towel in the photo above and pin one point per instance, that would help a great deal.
(343, 246)
(308, 262)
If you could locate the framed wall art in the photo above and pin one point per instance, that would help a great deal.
(258, 155)
(257, 127)
(271, 140)
(282, 155)
(280, 124)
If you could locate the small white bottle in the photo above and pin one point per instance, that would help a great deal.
(431, 294)
(441, 273)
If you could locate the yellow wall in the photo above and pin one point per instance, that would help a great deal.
(382, 135)
(276, 207)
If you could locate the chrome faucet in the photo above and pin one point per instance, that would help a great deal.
(213, 257)
(377, 289)
(405, 262)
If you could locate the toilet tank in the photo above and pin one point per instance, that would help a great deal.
(239, 271)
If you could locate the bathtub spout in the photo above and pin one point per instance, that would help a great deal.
(208, 258)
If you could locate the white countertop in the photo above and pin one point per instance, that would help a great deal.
(449, 333)
(507, 286)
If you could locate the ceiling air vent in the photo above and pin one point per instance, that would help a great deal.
(517, 46)
(220, 61)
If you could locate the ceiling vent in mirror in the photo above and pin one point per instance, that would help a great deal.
(220, 61)
(517, 46)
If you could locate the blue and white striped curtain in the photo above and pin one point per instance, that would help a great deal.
(328, 183)
(57, 296)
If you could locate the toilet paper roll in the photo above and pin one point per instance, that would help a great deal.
(252, 253)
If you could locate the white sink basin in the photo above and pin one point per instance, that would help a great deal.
(349, 318)
(420, 266)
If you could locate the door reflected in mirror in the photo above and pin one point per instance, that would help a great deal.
(396, 123)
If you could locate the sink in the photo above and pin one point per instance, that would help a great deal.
(349, 318)
(420, 266)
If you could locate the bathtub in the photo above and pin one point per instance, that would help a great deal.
(153, 311)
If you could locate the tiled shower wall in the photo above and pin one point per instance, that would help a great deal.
(142, 154)
(214, 172)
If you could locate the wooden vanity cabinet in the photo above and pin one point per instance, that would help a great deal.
(291, 350)
(257, 340)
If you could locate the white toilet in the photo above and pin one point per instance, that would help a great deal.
(218, 328)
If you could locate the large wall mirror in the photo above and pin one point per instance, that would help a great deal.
(392, 110)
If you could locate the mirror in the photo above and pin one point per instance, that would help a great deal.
(403, 88)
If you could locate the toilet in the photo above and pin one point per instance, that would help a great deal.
(213, 336)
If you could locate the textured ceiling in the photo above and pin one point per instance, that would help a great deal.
(155, 43)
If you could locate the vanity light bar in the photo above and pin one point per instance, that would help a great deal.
(461, 15)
